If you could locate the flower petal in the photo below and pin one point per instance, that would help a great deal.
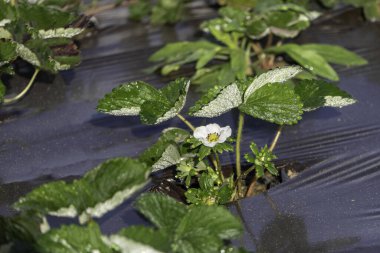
(213, 128)
(209, 144)
(200, 133)
(225, 132)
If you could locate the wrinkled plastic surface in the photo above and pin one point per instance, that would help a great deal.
(333, 206)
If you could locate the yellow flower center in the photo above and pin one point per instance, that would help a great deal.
(213, 137)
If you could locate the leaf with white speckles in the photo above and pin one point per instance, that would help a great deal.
(318, 93)
(59, 33)
(278, 75)
(275, 102)
(139, 98)
(217, 101)
(99, 191)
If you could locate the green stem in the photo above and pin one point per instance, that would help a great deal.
(275, 140)
(8, 101)
(219, 167)
(186, 122)
(238, 143)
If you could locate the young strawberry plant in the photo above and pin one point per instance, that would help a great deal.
(274, 96)
(40, 34)
(246, 41)
(176, 227)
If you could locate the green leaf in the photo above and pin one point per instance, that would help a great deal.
(162, 211)
(317, 93)
(275, 103)
(206, 57)
(278, 75)
(203, 228)
(217, 101)
(146, 236)
(167, 12)
(99, 191)
(336, 54)
(73, 239)
(309, 59)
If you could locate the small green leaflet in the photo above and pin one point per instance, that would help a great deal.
(262, 160)
(274, 102)
(318, 93)
(139, 98)
(74, 239)
(278, 75)
(217, 101)
(99, 191)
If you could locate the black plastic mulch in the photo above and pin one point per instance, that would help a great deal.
(333, 206)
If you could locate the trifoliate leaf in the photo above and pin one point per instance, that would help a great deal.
(317, 93)
(278, 75)
(59, 33)
(309, 59)
(217, 101)
(336, 54)
(99, 191)
(73, 239)
(275, 102)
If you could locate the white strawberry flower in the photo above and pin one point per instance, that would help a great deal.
(212, 134)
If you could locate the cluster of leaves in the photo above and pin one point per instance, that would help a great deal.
(160, 12)
(273, 96)
(236, 49)
(177, 228)
(262, 160)
(39, 34)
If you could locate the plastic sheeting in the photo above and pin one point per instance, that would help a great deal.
(333, 206)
